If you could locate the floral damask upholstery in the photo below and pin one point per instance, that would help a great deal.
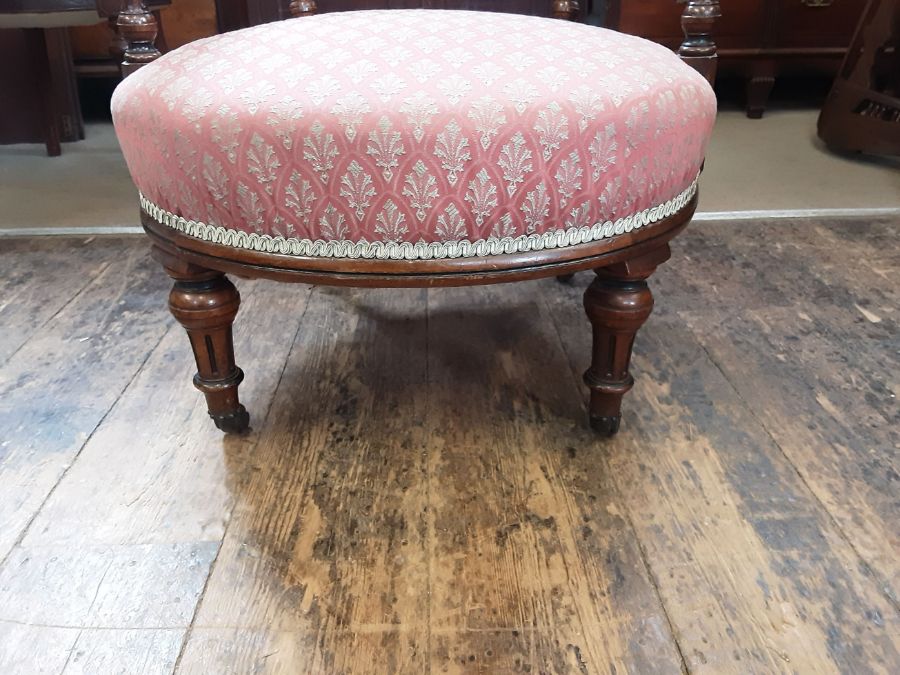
(414, 134)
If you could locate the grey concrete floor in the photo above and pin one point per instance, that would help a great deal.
(775, 163)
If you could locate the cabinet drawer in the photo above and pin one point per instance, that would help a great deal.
(817, 23)
(741, 25)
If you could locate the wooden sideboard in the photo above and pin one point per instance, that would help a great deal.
(757, 39)
(233, 14)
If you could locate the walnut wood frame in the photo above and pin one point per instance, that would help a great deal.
(617, 302)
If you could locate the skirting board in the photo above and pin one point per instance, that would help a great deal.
(699, 217)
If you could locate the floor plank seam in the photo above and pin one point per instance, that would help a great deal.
(70, 652)
(55, 314)
(645, 561)
(429, 533)
(871, 573)
(189, 631)
(62, 626)
(62, 476)
(627, 515)
(190, 628)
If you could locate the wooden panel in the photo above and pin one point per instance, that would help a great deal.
(742, 23)
(17, 6)
(800, 25)
(188, 20)
(262, 11)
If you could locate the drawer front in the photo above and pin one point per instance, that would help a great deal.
(538, 7)
(741, 26)
(261, 11)
(817, 23)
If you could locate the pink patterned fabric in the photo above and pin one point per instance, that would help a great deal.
(413, 126)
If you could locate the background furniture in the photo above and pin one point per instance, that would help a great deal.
(757, 39)
(37, 71)
(234, 14)
(862, 113)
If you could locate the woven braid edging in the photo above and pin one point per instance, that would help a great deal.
(406, 250)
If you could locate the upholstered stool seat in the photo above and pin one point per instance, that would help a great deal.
(416, 148)
(414, 134)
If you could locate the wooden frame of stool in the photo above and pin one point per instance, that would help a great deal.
(617, 302)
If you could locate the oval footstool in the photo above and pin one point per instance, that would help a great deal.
(404, 148)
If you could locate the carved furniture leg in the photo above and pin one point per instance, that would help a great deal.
(138, 28)
(205, 302)
(699, 49)
(617, 302)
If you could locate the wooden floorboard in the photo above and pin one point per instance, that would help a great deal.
(60, 384)
(419, 493)
(832, 346)
(40, 276)
(527, 537)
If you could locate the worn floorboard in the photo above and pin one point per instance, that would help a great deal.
(533, 567)
(60, 384)
(40, 277)
(831, 341)
(419, 493)
(324, 562)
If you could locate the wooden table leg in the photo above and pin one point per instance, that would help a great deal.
(49, 102)
(617, 302)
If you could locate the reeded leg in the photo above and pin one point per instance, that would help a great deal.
(617, 302)
(205, 302)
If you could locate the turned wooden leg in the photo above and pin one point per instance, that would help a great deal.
(205, 302)
(617, 302)
(565, 9)
(138, 28)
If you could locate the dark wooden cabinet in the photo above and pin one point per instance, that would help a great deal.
(235, 14)
(37, 71)
(758, 39)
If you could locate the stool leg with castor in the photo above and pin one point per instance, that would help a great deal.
(617, 302)
(205, 302)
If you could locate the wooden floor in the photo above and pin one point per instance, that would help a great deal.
(420, 493)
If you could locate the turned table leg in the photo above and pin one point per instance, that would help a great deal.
(205, 302)
(617, 302)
